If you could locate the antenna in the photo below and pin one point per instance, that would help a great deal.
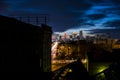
(35, 20)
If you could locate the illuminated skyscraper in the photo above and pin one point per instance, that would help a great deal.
(81, 35)
(64, 36)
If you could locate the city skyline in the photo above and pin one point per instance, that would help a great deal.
(70, 16)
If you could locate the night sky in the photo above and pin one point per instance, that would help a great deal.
(91, 16)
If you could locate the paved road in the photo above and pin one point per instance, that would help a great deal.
(72, 71)
(56, 64)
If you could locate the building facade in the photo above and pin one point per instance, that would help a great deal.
(24, 47)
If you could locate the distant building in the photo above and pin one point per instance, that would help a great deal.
(74, 34)
(81, 35)
(24, 47)
(107, 44)
(116, 45)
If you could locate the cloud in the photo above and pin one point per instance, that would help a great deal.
(68, 15)
(62, 12)
(115, 23)
(3, 6)
(96, 16)
(114, 33)
(116, 1)
(98, 1)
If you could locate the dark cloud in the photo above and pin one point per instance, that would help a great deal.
(96, 16)
(98, 1)
(116, 1)
(90, 24)
(114, 10)
(3, 5)
(104, 30)
(115, 23)
(85, 24)
(114, 33)
(67, 14)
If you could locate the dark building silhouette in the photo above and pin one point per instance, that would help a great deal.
(24, 47)
(73, 71)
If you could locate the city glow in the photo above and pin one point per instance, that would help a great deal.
(102, 68)
(70, 70)
(54, 50)
(84, 61)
